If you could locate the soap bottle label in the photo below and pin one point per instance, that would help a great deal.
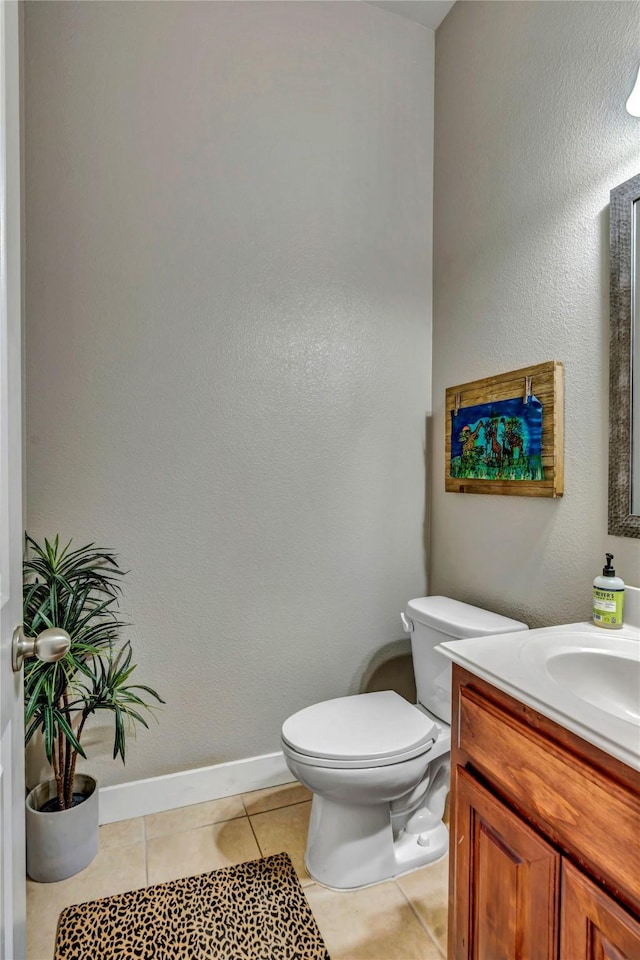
(608, 607)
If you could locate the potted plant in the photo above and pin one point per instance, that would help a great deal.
(78, 591)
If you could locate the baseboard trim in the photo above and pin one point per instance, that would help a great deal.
(156, 794)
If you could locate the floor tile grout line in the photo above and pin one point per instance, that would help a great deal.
(255, 837)
(418, 917)
(146, 852)
(213, 823)
(239, 796)
(285, 806)
(197, 826)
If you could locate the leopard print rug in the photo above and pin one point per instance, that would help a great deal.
(253, 911)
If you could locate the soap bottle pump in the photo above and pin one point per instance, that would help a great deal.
(608, 598)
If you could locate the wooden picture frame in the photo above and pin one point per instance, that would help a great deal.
(501, 456)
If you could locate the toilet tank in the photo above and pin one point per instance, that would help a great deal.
(434, 620)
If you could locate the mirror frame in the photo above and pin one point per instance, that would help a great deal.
(622, 523)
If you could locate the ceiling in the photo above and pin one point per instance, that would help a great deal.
(430, 13)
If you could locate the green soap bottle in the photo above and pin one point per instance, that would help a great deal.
(608, 598)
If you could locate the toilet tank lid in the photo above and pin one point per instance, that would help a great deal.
(459, 620)
(363, 726)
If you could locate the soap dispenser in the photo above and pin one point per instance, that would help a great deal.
(608, 598)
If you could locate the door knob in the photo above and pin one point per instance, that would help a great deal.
(50, 645)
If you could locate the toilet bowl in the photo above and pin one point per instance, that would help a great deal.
(378, 766)
(358, 786)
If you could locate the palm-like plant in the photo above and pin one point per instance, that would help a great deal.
(77, 590)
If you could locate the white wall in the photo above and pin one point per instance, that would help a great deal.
(228, 294)
(530, 136)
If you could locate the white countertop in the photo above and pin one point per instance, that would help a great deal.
(526, 666)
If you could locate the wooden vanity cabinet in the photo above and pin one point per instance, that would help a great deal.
(545, 837)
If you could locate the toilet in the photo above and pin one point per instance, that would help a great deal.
(378, 766)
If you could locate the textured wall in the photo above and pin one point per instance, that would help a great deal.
(530, 135)
(228, 296)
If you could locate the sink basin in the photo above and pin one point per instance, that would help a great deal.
(601, 671)
(582, 677)
(607, 680)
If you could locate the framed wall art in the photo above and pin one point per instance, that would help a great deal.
(504, 434)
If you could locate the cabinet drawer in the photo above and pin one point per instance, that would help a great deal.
(585, 813)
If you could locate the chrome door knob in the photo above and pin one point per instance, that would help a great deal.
(50, 645)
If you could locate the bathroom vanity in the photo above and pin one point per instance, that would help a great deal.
(545, 825)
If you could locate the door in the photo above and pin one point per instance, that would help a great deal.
(592, 925)
(12, 859)
(507, 881)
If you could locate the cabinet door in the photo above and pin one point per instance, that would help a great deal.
(506, 882)
(592, 925)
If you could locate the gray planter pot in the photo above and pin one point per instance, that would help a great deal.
(62, 843)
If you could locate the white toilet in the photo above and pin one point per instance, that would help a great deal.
(378, 767)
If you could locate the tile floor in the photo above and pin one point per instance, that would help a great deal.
(396, 920)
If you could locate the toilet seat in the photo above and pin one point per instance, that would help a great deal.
(364, 730)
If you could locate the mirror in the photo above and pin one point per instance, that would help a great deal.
(624, 374)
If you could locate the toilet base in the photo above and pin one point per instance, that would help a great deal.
(353, 846)
(417, 850)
